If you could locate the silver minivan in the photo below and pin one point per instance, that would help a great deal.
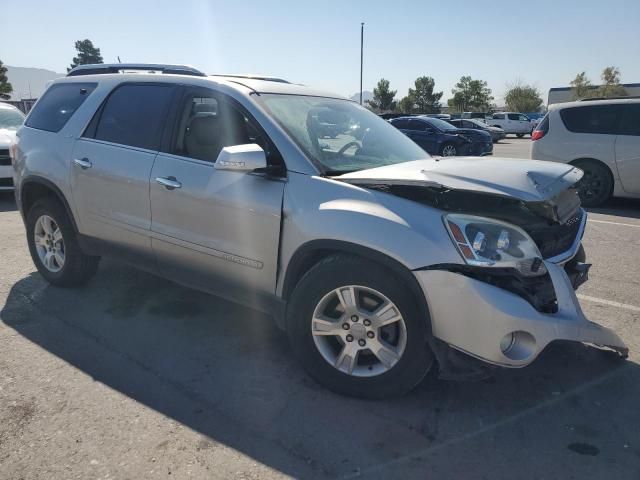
(602, 137)
(377, 260)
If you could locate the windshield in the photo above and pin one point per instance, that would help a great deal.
(340, 136)
(10, 119)
(440, 124)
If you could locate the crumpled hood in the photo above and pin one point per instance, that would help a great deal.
(7, 137)
(526, 180)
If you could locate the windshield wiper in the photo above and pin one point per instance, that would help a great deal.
(333, 173)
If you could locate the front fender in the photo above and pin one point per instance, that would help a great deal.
(317, 208)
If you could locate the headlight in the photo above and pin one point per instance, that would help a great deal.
(485, 242)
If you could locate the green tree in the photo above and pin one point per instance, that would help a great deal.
(470, 95)
(581, 86)
(5, 87)
(611, 83)
(406, 105)
(383, 97)
(521, 97)
(423, 96)
(87, 54)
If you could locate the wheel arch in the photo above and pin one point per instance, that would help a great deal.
(314, 251)
(34, 188)
(577, 161)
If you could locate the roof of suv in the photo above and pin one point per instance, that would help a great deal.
(188, 74)
(584, 103)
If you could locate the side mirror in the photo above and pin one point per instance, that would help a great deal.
(241, 158)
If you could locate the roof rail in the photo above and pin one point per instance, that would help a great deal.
(590, 99)
(253, 77)
(103, 68)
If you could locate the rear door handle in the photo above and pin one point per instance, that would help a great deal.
(169, 183)
(83, 163)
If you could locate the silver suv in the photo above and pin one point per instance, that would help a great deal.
(376, 259)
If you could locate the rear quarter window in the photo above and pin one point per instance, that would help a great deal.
(57, 106)
(599, 119)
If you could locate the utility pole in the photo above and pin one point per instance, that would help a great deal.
(361, 56)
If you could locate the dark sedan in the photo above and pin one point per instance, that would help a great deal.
(438, 137)
(496, 133)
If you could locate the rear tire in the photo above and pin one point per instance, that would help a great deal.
(362, 374)
(596, 186)
(54, 247)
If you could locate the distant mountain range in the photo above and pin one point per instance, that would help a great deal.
(366, 95)
(29, 82)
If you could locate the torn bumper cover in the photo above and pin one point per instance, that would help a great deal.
(502, 328)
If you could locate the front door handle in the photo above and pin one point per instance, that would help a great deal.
(169, 182)
(83, 163)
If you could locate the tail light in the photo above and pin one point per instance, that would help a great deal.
(542, 129)
(537, 134)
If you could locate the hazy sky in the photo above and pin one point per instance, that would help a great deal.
(318, 43)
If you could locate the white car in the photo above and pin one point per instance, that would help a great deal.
(10, 119)
(602, 137)
(512, 123)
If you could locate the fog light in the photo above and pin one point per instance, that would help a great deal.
(518, 345)
(507, 342)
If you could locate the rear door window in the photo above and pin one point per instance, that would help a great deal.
(630, 124)
(418, 126)
(513, 116)
(57, 106)
(133, 115)
(402, 124)
(599, 119)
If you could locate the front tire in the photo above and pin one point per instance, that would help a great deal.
(356, 330)
(54, 247)
(519, 135)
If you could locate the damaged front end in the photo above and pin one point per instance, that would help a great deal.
(520, 242)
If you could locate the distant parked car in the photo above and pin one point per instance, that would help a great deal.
(441, 116)
(479, 115)
(512, 123)
(496, 133)
(438, 137)
(602, 137)
(10, 119)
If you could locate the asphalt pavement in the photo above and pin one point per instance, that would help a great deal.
(135, 377)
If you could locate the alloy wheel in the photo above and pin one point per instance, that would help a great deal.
(590, 186)
(359, 331)
(449, 151)
(49, 243)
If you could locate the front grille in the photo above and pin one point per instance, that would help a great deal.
(6, 182)
(557, 239)
(5, 158)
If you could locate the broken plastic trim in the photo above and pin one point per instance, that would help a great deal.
(537, 291)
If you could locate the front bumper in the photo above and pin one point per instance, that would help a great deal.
(502, 328)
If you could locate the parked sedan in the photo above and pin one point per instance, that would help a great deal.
(496, 133)
(438, 137)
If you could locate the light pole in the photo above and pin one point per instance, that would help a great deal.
(361, 56)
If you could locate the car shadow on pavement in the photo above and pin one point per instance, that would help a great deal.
(7, 202)
(619, 207)
(227, 372)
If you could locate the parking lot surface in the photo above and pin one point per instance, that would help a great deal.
(135, 377)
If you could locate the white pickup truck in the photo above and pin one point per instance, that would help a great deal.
(512, 123)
